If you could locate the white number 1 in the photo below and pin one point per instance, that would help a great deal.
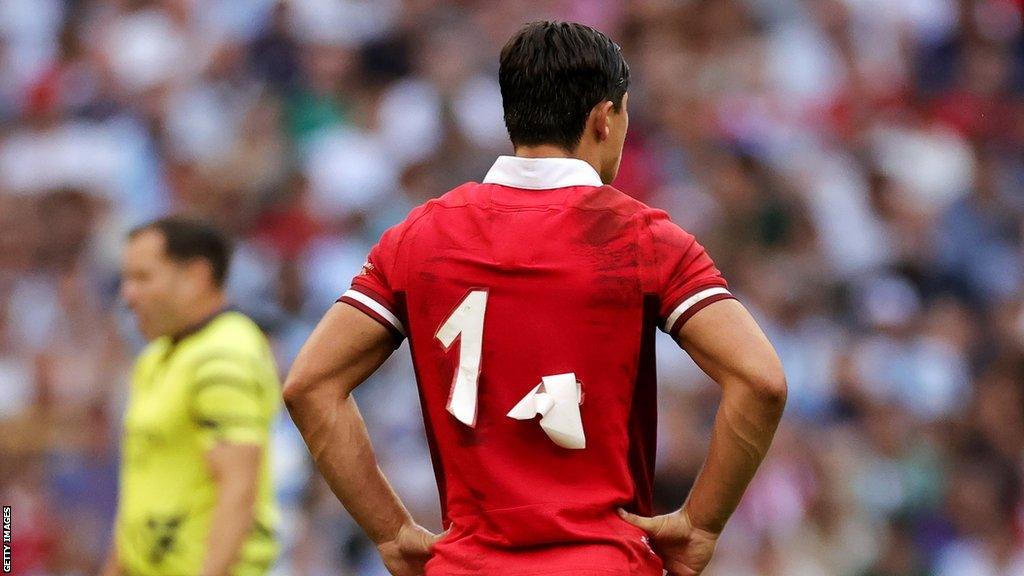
(467, 321)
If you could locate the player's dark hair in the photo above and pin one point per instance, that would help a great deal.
(552, 74)
(187, 239)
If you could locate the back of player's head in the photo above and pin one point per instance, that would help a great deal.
(187, 239)
(552, 74)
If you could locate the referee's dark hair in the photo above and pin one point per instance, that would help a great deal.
(187, 239)
(552, 74)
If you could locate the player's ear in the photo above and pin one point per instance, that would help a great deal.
(599, 120)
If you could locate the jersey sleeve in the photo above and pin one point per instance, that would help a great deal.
(373, 289)
(680, 272)
(228, 404)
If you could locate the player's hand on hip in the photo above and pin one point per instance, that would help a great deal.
(408, 553)
(684, 549)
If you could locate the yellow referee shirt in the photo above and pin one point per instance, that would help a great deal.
(216, 383)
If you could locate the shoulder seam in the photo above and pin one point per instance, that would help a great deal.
(427, 207)
(642, 222)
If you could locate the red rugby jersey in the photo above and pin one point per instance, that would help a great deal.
(538, 271)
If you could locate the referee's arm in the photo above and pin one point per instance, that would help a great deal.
(235, 469)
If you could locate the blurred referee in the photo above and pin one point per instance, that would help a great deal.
(195, 488)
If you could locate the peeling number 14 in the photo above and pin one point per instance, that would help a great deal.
(556, 399)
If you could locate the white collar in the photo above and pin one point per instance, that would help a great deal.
(541, 173)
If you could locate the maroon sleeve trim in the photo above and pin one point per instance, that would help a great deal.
(375, 309)
(685, 307)
(674, 332)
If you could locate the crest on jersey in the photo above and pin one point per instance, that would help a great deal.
(366, 269)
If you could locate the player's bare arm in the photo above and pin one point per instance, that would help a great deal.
(344, 349)
(235, 469)
(725, 341)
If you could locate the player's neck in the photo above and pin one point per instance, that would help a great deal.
(543, 151)
(552, 151)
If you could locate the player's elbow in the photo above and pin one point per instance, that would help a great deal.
(308, 387)
(769, 386)
(762, 382)
(295, 392)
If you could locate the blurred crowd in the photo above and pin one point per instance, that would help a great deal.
(855, 167)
